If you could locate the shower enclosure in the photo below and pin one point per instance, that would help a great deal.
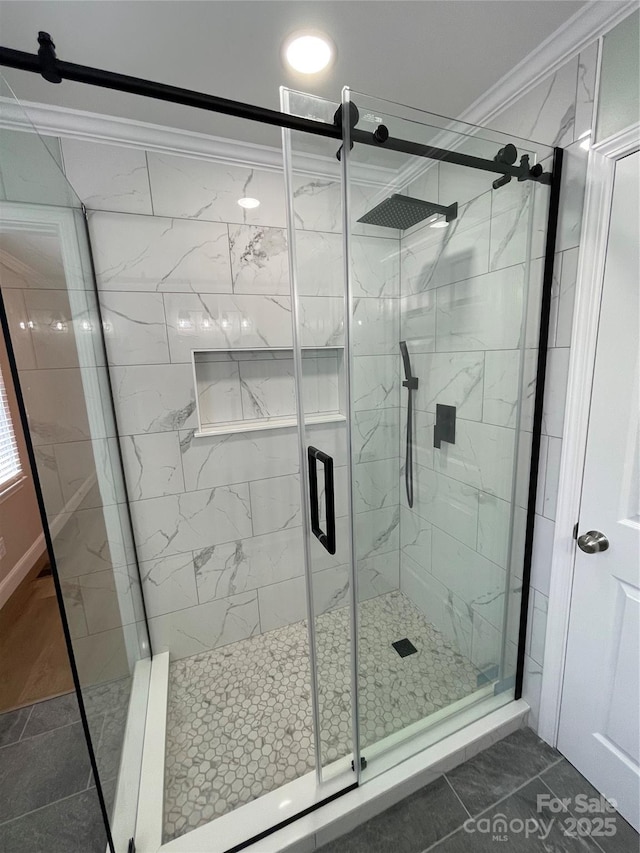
(326, 415)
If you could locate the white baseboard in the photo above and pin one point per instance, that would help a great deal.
(21, 569)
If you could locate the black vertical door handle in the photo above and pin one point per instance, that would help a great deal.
(327, 539)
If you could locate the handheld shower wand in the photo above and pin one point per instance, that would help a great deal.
(411, 384)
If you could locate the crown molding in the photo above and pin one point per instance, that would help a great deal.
(588, 24)
(66, 123)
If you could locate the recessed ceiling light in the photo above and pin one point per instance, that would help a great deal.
(249, 203)
(439, 223)
(308, 52)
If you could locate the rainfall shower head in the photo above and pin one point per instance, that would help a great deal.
(402, 211)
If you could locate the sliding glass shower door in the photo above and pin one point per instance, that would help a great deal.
(444, 285)
(314, 196)
(417, 307)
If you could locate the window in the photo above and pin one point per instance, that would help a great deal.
(10, 468)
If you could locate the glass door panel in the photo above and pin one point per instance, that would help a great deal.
(443, 270)
(317, 266)
(53, 328)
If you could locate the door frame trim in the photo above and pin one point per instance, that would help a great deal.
(594, 236)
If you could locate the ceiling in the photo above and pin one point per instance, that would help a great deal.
(438, 55)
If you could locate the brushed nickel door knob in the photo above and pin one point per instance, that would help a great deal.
(592, 542)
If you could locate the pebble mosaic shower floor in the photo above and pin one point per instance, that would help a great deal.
(239, 717)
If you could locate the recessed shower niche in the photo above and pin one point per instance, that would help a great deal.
(242, 390)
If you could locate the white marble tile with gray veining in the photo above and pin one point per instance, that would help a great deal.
(572, 191)
(423, 449)
(494, 519)
(267, 389)
(444, 610)
(433, 257)
(552, 477)
(331, 589)
(108, 177)
(378, 575)
(319, 263)
(418, 321)
(377, 531)
(475, 580)
(375, 434)
(446, 503)
(218, 460)
(91, 540)
(566, 299)
(375, 266)
(154, 398)
(482, 456)
(207, 626)
(511, 215)
(317, 203)
(89, 472)
(47, 467)
(376, 484)
(415, 537)
(375, 326)
(322, 381)
(585, 96)
(195, 520)
(142, 253)
(207, 321)
(547, 112)
(245, 564)
(321, 321)
(537, 624)
(282, 604)
(555, 392)
(486, 644)
(152, 464)
(452, 379)
(190, 188)
(56, 403)
(135, 330)
(107, 604)
(467, 317)
(275, 503)
(259, 259)
(219, 398)
(376, 381)
(169, 583)
(501, 377)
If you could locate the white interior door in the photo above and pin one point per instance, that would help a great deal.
(600, 717)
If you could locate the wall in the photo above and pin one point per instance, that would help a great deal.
(20, 525)
(180, 266)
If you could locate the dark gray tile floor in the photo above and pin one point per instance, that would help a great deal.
(48, 800)
(505, 798)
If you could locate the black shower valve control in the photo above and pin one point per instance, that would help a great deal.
(445, 425)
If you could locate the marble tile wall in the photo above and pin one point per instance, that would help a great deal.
(181, 267)
(462, 300)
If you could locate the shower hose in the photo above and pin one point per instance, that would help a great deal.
(408, 465)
